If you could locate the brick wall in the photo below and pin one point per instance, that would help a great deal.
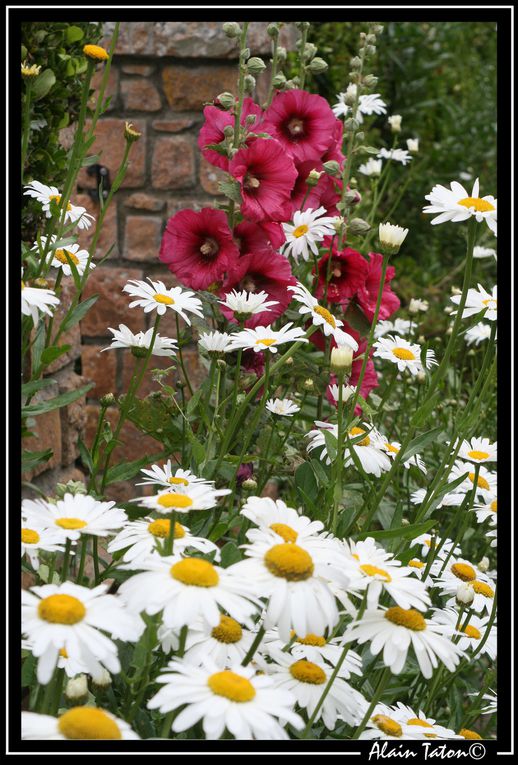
(162, 73)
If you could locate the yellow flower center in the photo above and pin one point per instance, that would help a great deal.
(403, 353)
(311, 639)
(195, 572)
(466, 733)
(489, 301)
(406, 617)
(471, 632)
(96, 52)
(464, 571)
(61, 609)
(64, 256)
(30, 537)
(475, 455)
(391, 448)
(71, 523)
(416, 563)
(357, 432)
(300, 231)
(388, 725)
(165, 299)
(266, 341)
(284, 531)
(480, 205)
(289, 561)
(178, 481)
(326, 315)
(481, 481)
(63, 653)
(57, 199)
(422, 724)
(232, 686)
(162, 526)
(307, 672)
(481, 588)
(375, 571)
(174, 501)
(492, 506)
(227, 631)
(88, 723)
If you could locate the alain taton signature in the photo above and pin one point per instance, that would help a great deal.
(429, 750)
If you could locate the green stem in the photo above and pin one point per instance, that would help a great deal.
(26, 122)
(84, 545)
(377, 695)
(339, 460)
(66, 560)
(253, 648)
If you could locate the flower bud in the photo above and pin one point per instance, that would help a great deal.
(30, 71)
(71, 487)
(465, 594)
(456, 291)
(231, 29)
(107, 400)
(332, 167)
(360, 135)
(249, 83)
(41, 283)
(279, 81)
(356, 63)
(370, 50)
(255, 65)
(370, 39)
(313, 177)
(309, 385)
(421, 377)
(338, 224)
(289, 362)
(130, 134)
(405, 522)
(359, 226)
(413, 145)
(102, 680)
(221, 364)
(421, 339)
(449, 331)
(226, 100)
(249, 484)
(282, 53)
(370, 81)
(317, 66)
(395, 123)
(302, 25)
(309, 51)
(341, 359)
(273, 29)
(391, 237)
(76, 689)
(351, 125)
(483, 565)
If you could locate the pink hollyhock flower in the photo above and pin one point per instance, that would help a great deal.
(302, 122)
(335, 150)
(326, 193)
(367, 294)
(266, 175)
(198, 247)
(216, 120)
(251, 237)
(348, 272)
(262, 269)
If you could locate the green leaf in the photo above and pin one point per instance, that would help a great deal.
(28, 389)
(91, 160)
(331, 444)
(74, 316)
(85, 455)
(73, 34)
(231, 189)
(404, 532)
(420, 442)
(423, 411)
(56, 403)
(127, 470)
(42, 84)
(54, 352)
(230, 553)
(305, 481)
(28, 671)
(31, 459)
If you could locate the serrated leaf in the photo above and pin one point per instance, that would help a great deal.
(231, 190)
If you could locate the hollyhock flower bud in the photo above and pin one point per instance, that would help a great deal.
(226, 100)
(76, 689)
(351, 125)
(273, 29)
(370, 81)
(279, 81)
(356, 63)
(332, 167)
(231, 29)
(249, 83)
(358, 226)
(465, 594)
(282, 53)
(255, 65)
(317, 66)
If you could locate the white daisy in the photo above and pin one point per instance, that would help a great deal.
(214, 342)
(274, 514)
(384, 725)
(479, 300)
(486, 510)
(371, 568)
(368, 104)
(394, 630)
(478, 334)
(320, 316)
(484, 252)
(188, 589)
(472, 634)
(62, 256)
(226, 645)
(368, 450)
(307, 680)
(451, 499)
(183, 499)
(425, 540)
(139, 343)
(457, 570)
(45, 195)
(486, 482)
(397, 155)
(245, 304)
(417, 305)
(81, 723)
(492, 700)
(36, 299)
(282, 406)
(334, 392)
(393, 447)
(430, 728)
(266, 338)
(74, 515)
(455, 204)
(145, 537)
(372, 167)
(295, 585)
(317, 649)
(308, 228)
(478, 450)
(165, 475)
(407, 356)
(247, 705)
(156, 296)
(398, 327)
(75, 618)
(38, 538)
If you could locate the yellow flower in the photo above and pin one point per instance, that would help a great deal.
(30, 71)
(95, 52)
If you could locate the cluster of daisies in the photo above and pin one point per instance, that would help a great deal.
(248, 648)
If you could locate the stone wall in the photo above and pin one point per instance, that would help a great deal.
(162, 73)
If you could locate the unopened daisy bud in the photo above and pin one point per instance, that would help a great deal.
(370, 81)
(282, 53)
(279, 81)
(43, 283)
(421, 339)
(358, 226)
(417, 305)
(471, 352)
(421, 377)
(313, 177)
(249, 484)
(483, 565)
(102, 680)
(273, 29)
(338, 224)
(332, 167)
(107, 400)
(221, 364)
(317, 66)
(456, 291)
(448, 309)
(95, 53)
(76, 689)
(226, 100)
(302, 25)
(130, 134)
(449, 331)
(412, 145)
(29, 71)
(289, 362)
(395, 123)
(255, 65)
(341, 359)
(465, 594)
(309, 385)
(405, 522)
(249, 83)
(392, 237)
(231, 29)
